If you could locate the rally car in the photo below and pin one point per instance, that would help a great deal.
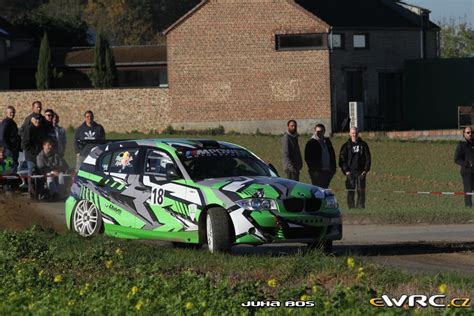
(194, 192)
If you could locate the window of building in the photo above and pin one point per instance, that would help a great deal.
(301, 41)
(338, 41)
(361, 41)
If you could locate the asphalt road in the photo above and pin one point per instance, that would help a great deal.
(416, 248)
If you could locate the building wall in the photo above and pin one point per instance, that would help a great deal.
(388, 51)
(118, 110)
(224, 69)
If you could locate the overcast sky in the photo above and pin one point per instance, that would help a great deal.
(446, 9)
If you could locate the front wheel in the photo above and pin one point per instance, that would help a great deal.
(217, 230)
(86, 219)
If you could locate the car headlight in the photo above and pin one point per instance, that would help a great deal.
(331, 201)
(257, 204)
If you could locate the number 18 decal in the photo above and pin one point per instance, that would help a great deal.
(157, 196)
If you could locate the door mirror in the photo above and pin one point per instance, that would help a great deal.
(272, 167)
(171, 172)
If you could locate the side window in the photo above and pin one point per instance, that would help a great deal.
(124, 161)
(105, 162)
(156, 163)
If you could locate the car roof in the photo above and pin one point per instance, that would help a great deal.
(178, 144)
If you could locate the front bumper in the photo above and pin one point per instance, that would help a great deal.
(272, 227)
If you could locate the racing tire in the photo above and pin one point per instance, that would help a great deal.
(218, 230)
(324, 245)
(86, 219)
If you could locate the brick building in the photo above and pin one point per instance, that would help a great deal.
(265, 61)
(254, 64)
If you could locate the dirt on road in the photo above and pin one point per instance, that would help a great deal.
(415, 248)
(17, 212)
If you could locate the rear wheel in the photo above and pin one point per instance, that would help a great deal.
(217, 230)
(86, 219)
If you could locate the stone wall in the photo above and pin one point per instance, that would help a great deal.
(118, 110)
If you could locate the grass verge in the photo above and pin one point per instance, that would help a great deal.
(44, 273)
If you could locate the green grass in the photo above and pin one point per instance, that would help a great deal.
(397, 165)
(44, 273)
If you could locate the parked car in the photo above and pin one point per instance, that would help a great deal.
(194, 192)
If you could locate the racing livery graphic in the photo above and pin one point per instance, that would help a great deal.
(194, 192)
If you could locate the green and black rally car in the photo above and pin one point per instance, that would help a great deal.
(195, 192)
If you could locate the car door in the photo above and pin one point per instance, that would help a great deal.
(167, 192)
(119, 199)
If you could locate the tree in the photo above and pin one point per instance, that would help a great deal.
(103, 73)
(62, 19)
(122, 22)
(44, 71)
(457, 39)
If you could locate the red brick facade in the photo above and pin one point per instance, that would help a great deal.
(223, 66)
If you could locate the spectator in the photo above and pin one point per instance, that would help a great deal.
(320, 157)
(48, 126)
(36, 109)
(89, 130)
(292, 161)
(60, 134)
(355, 161)
(464, 157)
(6, 169)
(32, 142)
(54, 167)
(6, 162)
(9, 136)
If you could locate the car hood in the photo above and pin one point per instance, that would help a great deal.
(237, 188)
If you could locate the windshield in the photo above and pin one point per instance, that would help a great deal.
(219, 163)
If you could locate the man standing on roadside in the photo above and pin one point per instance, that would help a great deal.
(48, 126)
(32, 143)
(292, 161)
(9, 136)
(320, 157)
(355, 161)
(36, 108)
(89, 130)
(60, 134)
(464, 157)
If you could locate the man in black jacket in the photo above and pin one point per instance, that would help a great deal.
(292, 161)
(355, 161)
(320, 158)
(32, 143)
(464, 157)
(89, 130)
(9, 136)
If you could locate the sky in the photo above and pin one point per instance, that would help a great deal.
(446, 9)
